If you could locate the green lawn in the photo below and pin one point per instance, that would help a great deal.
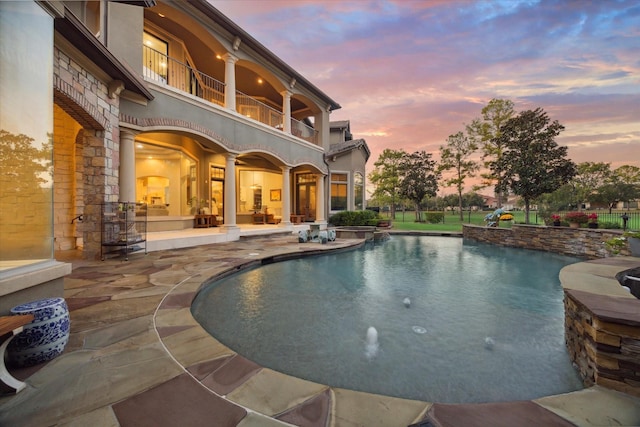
(406, 220)
(452, 221)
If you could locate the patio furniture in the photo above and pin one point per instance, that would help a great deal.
(10, 326)
(296, 219)
(203, 221)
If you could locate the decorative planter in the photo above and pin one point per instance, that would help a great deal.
(574, 225)
(634, 246)
(45, 337)
(556, 223)
(593, 225)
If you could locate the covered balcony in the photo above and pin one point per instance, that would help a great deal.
(162, 69)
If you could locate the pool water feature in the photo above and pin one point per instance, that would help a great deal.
(310, 318)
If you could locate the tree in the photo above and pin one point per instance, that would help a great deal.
(486, 132)
(589, 177)
(629, 176)
(532, 163)
(556, 201)
(419, 178)
(386, 177)
(450, 201)
(472, 199)
(621, 185)
(456, 156)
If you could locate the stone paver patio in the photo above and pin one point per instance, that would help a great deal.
(136, 357)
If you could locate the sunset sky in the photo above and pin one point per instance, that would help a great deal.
(410, 73)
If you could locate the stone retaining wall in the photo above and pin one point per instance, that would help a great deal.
(581, 242)
(602, 334)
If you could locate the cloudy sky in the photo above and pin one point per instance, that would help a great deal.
(410, 73)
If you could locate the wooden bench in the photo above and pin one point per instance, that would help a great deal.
(10, 326)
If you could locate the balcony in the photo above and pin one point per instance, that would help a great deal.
(163, 69)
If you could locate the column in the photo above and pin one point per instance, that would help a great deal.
(286, 108)
(230, 81)
(127, 179)
(320, 198)
(230, 191)
(286, 195)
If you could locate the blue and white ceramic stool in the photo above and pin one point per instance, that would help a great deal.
(45, 337)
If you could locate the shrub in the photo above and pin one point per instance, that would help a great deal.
(576, 216)
(610, 225)
(434, 217)
(344, 218)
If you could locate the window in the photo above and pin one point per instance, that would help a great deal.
(339, 187)
(166, 178)
(26, 129)
(358, 191)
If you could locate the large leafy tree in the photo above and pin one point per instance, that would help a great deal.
(472, 199)
(621, 185)
(386, 178)
(485, 131)
(456, 156)
(532, 162)
(419, 178)
(589, 177)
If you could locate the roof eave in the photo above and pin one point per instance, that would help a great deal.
(214, 14)
(73, 30)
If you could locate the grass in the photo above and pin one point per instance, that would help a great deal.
(406, 220)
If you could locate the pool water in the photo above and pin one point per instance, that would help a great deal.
(484, 323)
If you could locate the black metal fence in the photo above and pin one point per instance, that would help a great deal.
(615, 217)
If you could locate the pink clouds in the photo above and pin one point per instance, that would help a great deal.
(410, 73)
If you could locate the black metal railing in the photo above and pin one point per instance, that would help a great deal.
(615, 217)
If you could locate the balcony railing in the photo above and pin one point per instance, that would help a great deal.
(256, 110)
(303, 131)
(161, 68)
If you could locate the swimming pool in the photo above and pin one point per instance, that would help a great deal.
(484, 323)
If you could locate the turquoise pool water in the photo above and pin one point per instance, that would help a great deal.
(484, 323)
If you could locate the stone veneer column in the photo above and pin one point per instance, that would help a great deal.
(286, 196)
(320, 197)
(127, 179)
(230, 191)
(286, 108)
(230, 81)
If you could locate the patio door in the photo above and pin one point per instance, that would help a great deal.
(217, 191)
(306, 196)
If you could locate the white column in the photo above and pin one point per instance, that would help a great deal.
(320, 198)
(286, 108)
(230, 81)
(286, 196)
(230, 191)
(127, 179)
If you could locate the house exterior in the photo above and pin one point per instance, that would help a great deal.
(347, 159)
(164, 103)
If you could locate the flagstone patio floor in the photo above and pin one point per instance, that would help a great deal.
(136, 357)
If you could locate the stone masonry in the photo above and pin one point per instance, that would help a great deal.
(580, 242)
(603, 339)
